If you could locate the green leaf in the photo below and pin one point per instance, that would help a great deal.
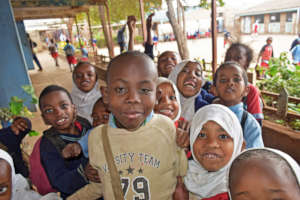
(16, 105)
(33, 133)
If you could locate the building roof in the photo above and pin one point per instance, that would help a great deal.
(272, 6)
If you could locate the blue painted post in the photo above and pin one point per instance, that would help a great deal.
(25, 44)
(13, 68)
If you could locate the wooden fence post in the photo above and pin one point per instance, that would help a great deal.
(282, 103)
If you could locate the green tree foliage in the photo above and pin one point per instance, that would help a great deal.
(119, 10)
(207, 3)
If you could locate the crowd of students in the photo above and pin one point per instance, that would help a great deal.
(153, 132)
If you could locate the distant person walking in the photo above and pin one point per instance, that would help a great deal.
(32, 45)
(121, 39)
(70, 54)
(266, 53)
(296, 53)
(53, 51)
(294, 43)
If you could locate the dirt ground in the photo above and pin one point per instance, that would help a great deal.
(200, 48)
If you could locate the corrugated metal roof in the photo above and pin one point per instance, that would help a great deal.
(272, 6)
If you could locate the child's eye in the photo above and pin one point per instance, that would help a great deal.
(222, 80)
(198, 73)
(223, 137)
(202, 135)
(236, 80)
(64, 106)
(120, 90)
(3, 189)
(79, 76)
(145, 91)
(173, 98)
(49, 110)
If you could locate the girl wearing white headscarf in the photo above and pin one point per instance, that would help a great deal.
(20, 188)
(274, 158)
(85, 101)
(200, 182)
(189, 105)
(162, 80)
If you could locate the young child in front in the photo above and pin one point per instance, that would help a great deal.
(264, 173)
(243, 55)
(188, 77)
(59, 112)
(168, 104)
(216, 138)
(231, 86)
(85, 90)
(143, 144)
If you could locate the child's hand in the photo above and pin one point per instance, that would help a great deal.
(131, 22)
(19, 124)
(181, 192)
(182, 134)
(149, 22)
(71, 150)
(91, 173)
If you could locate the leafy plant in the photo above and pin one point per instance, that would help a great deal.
(17, 107)
(282, 74)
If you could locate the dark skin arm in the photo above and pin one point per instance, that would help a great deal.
(181, 192)
(149, 27)
(19, 124)
(91, 173)
(131, 22)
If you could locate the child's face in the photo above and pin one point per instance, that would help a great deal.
(85, 77)
(5, 181)
(167, 103)
(58, 111)
(166, 63)
(230, 86)
(238, 55)
(189, 80)
(213, 147)
(131, 91)
(269, 41)
(100, 114)
(263, 179)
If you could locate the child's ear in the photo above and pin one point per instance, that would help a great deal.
(246, 91)
(104, 91)
(213, 90)
(244, 145)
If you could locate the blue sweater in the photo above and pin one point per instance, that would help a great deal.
(252, 130)
(67, 176)
(203, 99)
(12, 142)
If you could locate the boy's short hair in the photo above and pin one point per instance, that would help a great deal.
(227, 64)
(126, 54)
(262, 154)
(269, 39)
(52, 88)
(249, 51)
(67, 41)
(83, 63)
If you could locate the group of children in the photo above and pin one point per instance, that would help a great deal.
(154, 133)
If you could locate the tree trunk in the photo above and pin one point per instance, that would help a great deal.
(108, 39)
(70, 30)
(180, 35)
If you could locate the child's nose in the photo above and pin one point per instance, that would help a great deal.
(58, 112)
(133, 97)
(165, 100)
(212, 142)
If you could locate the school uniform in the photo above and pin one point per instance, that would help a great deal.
(252, 130)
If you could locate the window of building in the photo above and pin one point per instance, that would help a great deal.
(259, 19)
(275, 17)
(289, 16)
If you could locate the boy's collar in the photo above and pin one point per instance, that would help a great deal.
(112, 120)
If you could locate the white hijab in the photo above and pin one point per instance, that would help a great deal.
(291, 162)
(85, 101)
(198, 180)
(187, 104)
(161, 80)
(20, 187)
